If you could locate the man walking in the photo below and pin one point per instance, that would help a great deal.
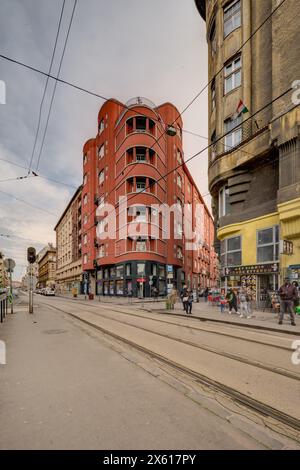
(288, 295)
(232, 300)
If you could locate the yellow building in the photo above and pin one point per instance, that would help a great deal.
(254, 126)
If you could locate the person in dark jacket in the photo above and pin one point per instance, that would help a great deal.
(232, 301)
(206, 293)
(288, 295)
(188, 302)
(183, 294)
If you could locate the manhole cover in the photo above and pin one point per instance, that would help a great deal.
(54, 332)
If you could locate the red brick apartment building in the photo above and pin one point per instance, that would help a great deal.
(133, 156)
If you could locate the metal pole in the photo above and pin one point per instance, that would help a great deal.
(30, 290)
(11, 294)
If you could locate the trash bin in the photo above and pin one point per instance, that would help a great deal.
(91, 296)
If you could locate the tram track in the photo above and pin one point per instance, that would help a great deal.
(196, 328)
(254, 404)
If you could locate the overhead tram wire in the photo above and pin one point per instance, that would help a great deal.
(124, 106)
(55, 86)
(46, 86)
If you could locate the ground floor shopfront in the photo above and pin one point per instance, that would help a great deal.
(140, 279)
(260, 253)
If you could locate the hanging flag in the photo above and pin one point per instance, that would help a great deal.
(241, 109)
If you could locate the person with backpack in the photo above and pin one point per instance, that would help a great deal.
(288, 295)
(232, 300)
(183, 294)
(188, 302)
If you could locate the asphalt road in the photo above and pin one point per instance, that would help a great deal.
(66, 387)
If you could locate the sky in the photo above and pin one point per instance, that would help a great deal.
(117, 48)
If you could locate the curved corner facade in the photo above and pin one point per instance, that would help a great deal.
(133, 159)
(254, 161)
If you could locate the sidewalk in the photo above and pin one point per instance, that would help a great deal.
(264, 320)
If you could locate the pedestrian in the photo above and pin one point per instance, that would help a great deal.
(130, 295)
(173, 297)
(223, 301)
(288, 295)
(244, 304)
(183, 294)
(188, 302)
(206, 294)
(232, 300)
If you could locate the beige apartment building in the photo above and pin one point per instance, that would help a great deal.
(68, 242)
(47, 266)
(254, 130)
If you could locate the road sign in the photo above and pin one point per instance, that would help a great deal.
(150, 283)
(9, 265)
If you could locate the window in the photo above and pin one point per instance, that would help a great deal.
(179, 157)
(141, 124)
(268, 245)
(128, 269)
(231, 251)
(179, 181)
(141, 214)
(85, 259)
(233, 74)
(232, 17)
(101, 253)
(120, 272)
(140, 185)
(101, 126)
(141, 154)
(85, 179)
(214, 146)
(141, 269)
(141, 245)
(85, 239)
(101, 177)
(85, 219)
(224, 206)
(179, 252)
(213, 39)
(234, 136)
(85, 199)
(101, 151)
(84, 158)
(213, 95)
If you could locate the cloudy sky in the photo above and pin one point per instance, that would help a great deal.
(116, 48)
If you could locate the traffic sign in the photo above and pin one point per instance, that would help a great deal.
(9, 265)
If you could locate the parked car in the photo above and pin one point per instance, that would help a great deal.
(49, 291)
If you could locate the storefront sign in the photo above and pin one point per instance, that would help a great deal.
(141, 279)
(169, 268)
(253, 269)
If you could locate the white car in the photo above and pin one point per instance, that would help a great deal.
(49, 291)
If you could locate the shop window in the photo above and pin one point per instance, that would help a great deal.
(232, 17)
(140, 269)
(224, 205)
(161, 271)
(231, 251)
(233, 74)
(120, 272)
(233, 131)
(128, 269)
(268, 245)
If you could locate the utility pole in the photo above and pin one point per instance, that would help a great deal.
(31, 258)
